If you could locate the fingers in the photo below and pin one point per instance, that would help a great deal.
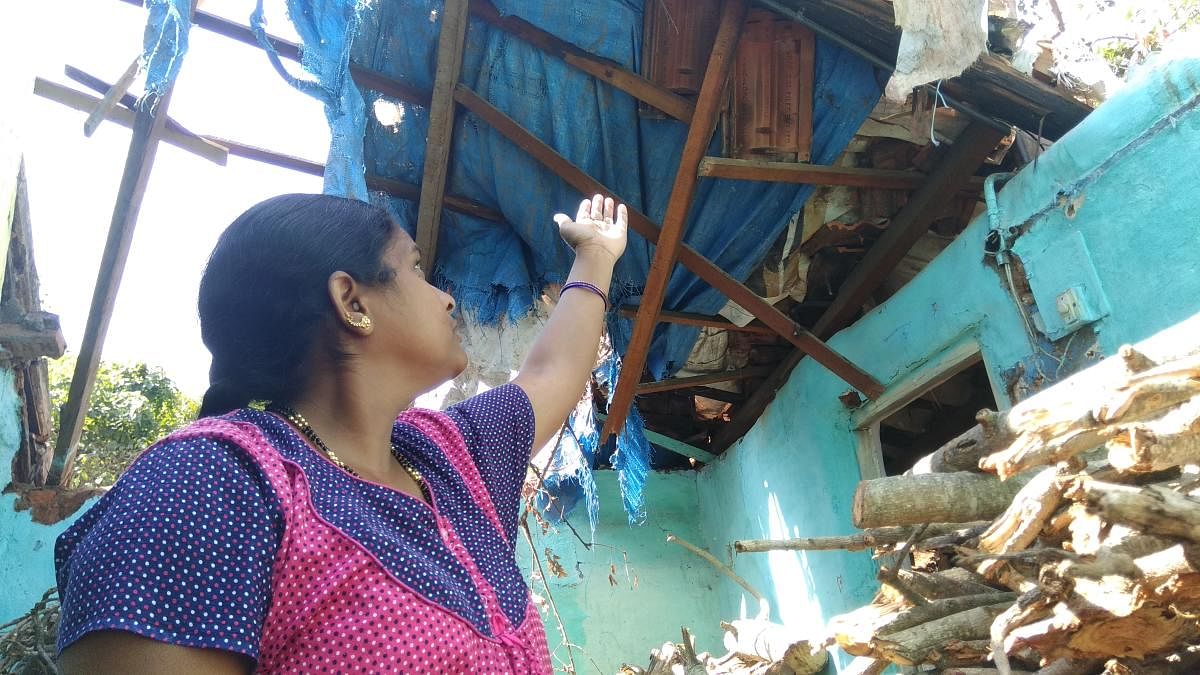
(585, 209)
(622, 217)
(609, 204)
(597, 207)
(562, 219)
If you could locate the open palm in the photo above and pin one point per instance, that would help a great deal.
(600, 224)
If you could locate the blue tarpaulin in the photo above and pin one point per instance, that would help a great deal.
(497, 270)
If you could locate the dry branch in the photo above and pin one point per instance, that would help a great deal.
(873, 538)
(1152, 508)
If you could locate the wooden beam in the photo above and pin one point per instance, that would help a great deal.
(701, 321)
(78, 100)
(970, 149)
(441, 126)
(816, 174)
(688, 256)
(602, 69)
(700, 380)
(148, 128)
(674, 445)
(704, 123)
(967, 153)
(391, 186)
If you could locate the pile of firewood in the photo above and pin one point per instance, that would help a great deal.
(1062, 535)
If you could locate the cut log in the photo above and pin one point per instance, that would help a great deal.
(922, 644)
(873, 538)
(933, 498)
(1020, 524)
(1153, 509)
(1169, 441)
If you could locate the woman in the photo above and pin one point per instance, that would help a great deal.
(337, 529)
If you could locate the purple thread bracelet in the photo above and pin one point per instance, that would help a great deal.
(585, 285)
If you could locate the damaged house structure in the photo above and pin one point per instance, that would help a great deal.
(855, 225)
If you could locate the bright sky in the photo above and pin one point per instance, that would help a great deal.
(225, 88)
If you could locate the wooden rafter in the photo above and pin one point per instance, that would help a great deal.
(391, 186)
(704, 123)
(125, 116)
(148, 128)
(441, 126)
(700, 321)
(602, 69)
(970, 149)
(702, 267)
(954, 171)
(816, 174)
(705, 269)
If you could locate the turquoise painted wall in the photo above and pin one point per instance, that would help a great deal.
(621, 622)
(26, 548)
(1129, 172)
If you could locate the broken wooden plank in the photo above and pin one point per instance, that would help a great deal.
(149, 122)
(702, 267)
(31, 336)
(441, 126)
(602, 69)
(700, 321)
(78, 100)
(391, 186)
(110, 98)
(697, 380)
(704, 123)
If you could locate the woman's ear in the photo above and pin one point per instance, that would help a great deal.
(348, 301)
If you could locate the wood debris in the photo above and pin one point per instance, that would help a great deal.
(1089, 561)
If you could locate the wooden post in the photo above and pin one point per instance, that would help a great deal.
(704, 122)
(147, 129)
(441, 126)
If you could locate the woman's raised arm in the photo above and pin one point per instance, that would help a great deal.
(561, 359)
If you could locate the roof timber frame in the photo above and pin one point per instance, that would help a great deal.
(704, 123)
(149, 126)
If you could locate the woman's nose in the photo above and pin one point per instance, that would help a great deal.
(449, 301)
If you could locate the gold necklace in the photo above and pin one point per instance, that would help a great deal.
(305, 428)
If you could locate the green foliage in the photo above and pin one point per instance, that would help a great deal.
(132, 406)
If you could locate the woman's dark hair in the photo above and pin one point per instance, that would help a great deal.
(264, 298)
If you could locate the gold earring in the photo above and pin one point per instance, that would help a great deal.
(363, 324)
